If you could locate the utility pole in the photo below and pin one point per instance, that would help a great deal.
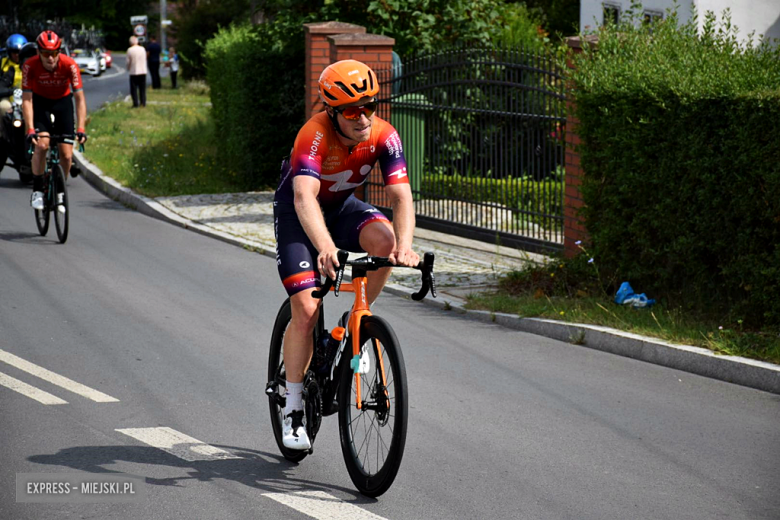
(163, 27)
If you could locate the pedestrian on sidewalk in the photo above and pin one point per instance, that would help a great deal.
(136, 67)
(173, 63)
(153, 51)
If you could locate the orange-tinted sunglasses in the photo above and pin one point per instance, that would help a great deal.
(353, 113)
(49, 54)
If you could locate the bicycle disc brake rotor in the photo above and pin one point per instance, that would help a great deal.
(313, 398)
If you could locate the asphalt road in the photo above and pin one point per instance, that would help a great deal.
(166, 331)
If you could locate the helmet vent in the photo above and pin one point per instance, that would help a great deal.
(329, 95)
(362, 89)
(346, 90)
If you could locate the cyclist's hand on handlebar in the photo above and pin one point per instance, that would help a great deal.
(404, 256)
(327, 262)
(31, 139)
(81, 136)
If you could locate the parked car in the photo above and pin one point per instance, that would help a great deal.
(89, 61)
(107, 55)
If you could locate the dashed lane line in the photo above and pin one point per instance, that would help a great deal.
(56, 379)
(322, 506)
(29, 390)
(178, 444)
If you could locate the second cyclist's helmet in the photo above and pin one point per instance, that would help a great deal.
(48, 41)
(15, 42)
(347, 81)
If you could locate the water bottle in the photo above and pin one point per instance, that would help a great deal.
(326, 349)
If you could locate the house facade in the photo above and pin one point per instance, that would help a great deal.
(761, 16)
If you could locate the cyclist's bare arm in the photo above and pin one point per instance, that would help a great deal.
(81, 108)
(27, 110)
(307, 207)
(401, 201)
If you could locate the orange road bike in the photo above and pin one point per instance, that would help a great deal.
(365, 383)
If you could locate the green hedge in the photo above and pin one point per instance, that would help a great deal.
(257, 93)
(682, 165)
(525, 195)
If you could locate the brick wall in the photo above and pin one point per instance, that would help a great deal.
(574, 226)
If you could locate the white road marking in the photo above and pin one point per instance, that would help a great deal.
(61, 381)
(178, 444)
(29, 390)
(108, 75)
(322, 506)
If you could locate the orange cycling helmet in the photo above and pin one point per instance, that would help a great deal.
(347, 81)
(48, 41)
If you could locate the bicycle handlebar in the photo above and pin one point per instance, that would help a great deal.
(64, 138)
(372, 263)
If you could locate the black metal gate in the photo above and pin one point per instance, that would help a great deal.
(482, 134)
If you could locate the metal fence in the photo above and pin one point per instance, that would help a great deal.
(482, 133)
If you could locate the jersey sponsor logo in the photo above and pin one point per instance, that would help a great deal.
(304, 264)
(315, 145)
(394, 146)
(341, 181)
(399, 173)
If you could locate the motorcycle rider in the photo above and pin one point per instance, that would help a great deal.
(13, 46)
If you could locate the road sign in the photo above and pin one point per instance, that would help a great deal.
(136, 20)
(139, 30)
(166, 22)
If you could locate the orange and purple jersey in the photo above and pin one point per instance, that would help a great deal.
(319, 153)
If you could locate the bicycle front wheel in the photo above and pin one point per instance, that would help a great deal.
(60, 202)
(42, 215)
(373, 437)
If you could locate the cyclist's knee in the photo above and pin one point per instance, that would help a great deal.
(43, 142)
(66, 153)
(377, 238)
(305, 309)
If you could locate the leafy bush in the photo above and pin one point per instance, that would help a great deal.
(680, 150)
(258, 95)
(523, 194)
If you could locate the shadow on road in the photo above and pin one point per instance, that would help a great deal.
(260, 470)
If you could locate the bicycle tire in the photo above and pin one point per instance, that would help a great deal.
(60, 219)
(276, 372)
(42, 215)
(374, 479)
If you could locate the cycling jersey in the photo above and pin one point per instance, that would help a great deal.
(62, 81)
(319, 153)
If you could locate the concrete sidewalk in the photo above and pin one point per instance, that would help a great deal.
(462, 267)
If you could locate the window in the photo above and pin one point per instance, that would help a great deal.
(611, 13)
(652, 16)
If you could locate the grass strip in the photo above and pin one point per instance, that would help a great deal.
(164, 149)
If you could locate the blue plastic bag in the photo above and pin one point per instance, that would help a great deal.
(625, 296)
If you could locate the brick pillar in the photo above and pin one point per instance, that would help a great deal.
(376, 51)
(318, 56)
(574, 227)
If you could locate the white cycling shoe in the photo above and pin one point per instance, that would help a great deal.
(36, 201)
(294, 434)
(61, 203)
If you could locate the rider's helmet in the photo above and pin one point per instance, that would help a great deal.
(48, 41)
(15, 42)
(347, 81)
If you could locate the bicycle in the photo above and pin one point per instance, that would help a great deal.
(374, 401)
(55, 193)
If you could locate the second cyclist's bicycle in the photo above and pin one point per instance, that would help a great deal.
(55, 193)
(364, 380)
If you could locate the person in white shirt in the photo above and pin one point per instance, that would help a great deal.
(173, 63)
(136, 67)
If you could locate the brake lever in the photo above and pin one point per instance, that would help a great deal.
(428, 281)
(342, 257)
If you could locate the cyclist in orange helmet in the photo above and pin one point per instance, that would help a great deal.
(316, 212)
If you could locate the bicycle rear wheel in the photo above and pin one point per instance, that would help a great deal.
(373, 437)
(42, 215)
(277, 375)
(61, 210)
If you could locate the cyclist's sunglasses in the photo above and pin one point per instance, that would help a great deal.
(49, 54)
(353, 113)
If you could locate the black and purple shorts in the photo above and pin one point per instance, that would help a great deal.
(296, 256)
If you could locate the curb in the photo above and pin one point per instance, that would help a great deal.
(738, 370)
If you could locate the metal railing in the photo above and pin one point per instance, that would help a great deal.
(482, 134)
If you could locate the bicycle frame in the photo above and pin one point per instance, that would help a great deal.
(360, 307)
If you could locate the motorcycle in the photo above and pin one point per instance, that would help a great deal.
(12, 140)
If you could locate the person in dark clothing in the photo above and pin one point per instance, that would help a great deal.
(153, 51)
